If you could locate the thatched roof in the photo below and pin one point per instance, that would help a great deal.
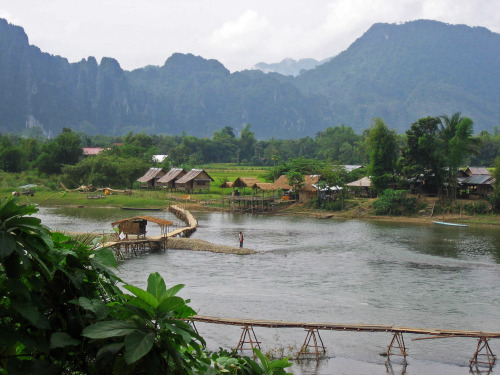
(264, 186)
(160, 222)
(243, 182)
(194, 174)
(150, 174)
(363, 182)
(282, 183)
(172, 174)
(310, 181)
(226, 184)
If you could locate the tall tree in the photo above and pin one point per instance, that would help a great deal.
(421, 154)
(382, 144)
(247, 143)
(457, 143)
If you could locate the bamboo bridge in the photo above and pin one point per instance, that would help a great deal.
(313, 344)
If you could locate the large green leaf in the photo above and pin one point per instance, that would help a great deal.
(61, 340)
(105, 257)
(97, 306)
(31, 313)
(147, 297)
(156, 286)
(174, 290)
(114, 328)
(170, 304)
(7, 244)
(137, 345)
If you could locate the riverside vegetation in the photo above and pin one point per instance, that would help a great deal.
(63, 310)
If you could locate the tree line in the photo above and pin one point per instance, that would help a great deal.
(433, 148)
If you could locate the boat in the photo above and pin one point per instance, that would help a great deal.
(451, 224)
(141, 209)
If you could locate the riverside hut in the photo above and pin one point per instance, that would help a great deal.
(361, 187)
(195, 179)
(168, 181)
(309, 189)
(137, 226)
(150, 178)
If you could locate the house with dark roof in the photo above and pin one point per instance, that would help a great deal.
(195, 179)
(476, 182)
(151, 177)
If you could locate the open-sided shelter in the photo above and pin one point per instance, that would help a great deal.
(168, 181)
(151, 177)
(362, 187)
(137, 226)
(195, 179)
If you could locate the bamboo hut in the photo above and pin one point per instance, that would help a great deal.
(168, 181)
(361, 187)
(151, 177)
(195, 179)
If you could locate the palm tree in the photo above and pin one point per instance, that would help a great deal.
(455, 135)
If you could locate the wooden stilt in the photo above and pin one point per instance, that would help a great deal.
(483, 354)
(317, 345)
(246, 338)
(397, 342)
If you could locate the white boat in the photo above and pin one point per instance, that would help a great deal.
(452, 224)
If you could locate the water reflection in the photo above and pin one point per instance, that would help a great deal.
(333, 271)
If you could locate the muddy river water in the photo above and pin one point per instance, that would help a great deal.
(335, 271)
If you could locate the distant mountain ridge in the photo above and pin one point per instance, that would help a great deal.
(289, 67)
(397, 72)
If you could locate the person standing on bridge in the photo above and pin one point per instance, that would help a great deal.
(241, 239)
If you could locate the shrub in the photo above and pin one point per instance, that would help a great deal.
(395, 202)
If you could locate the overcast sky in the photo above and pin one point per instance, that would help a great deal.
(238, 33)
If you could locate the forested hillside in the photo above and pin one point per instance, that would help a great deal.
(404, 72)
(399, 73)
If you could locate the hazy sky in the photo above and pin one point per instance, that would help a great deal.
(238, 33)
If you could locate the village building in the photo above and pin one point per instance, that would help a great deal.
(306, 192)
(475, 183)
(89, 151)
(168, 181)
(195, 179)
(151, 177)
(361, 187)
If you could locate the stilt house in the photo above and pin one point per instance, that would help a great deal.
(195, 179)
(151, 177)
(168, 181)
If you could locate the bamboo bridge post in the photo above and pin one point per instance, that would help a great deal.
(397, 342)
(248, 331)
(318, 348)
(482, 345)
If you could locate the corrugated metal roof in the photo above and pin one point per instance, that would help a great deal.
(478, 180)
(172, 174)
(150, 174)
(477, 171)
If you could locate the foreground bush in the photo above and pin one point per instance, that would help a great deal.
(395, 202)
(61, 311)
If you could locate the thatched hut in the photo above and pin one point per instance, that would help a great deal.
(195, 179)
(137, 226)
(168, 181)
(151, 177)
(362, 187)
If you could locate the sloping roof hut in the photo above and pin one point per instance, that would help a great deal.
(168, 181)
(226, 185)
(477, 171)
(308, 189)
(137, 225)
(150, 178)
(363, 186)
(245, 182)
(195, 179)
(282, 183)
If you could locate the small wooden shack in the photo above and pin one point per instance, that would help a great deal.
(137, 226)
(361, 187)
(151, 177)
(195, 179)
(476, 182)
(168, 181)
(309, 190)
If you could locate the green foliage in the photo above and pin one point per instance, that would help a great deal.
(383, 153)
(61, 311)
(495, 199)
(396, 203)
(65, 149)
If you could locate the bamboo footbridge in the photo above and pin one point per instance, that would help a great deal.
(313, 344)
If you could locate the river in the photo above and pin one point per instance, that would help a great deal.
(335, 271)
